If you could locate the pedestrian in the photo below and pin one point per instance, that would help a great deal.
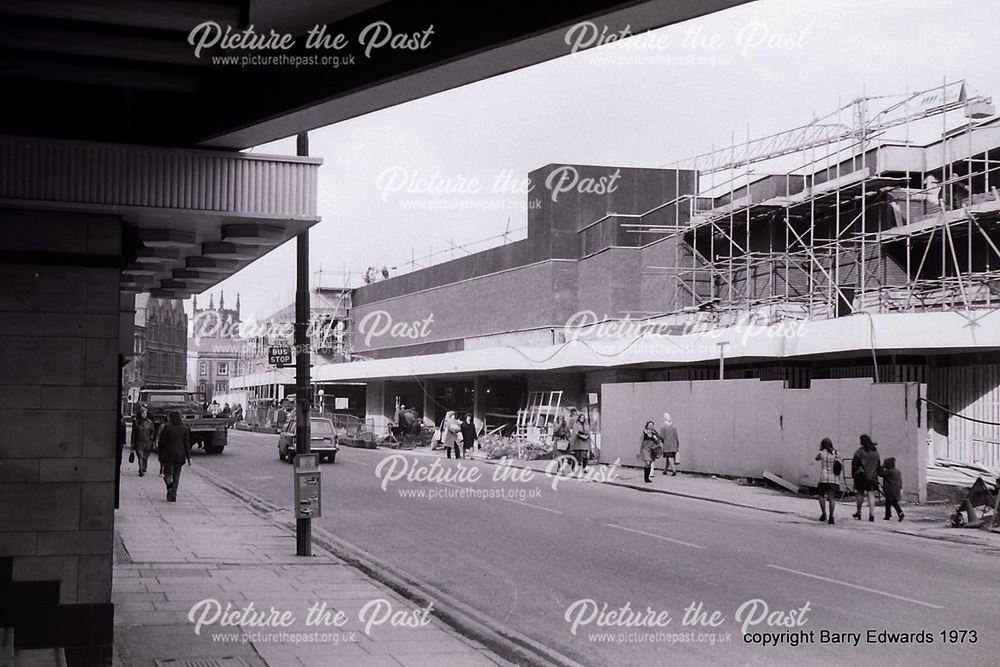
(892, 487)
(175, 449)
(369, 275)
(671, 444)
(280, 418)
(469, 435)
(214, 408)
(385, 272)
(450, 431)
(560, 443)
(830, 469)
(238, 413)
(649, 449)
(579, 441)
(864, 469)
(143, 438)
(227, 411)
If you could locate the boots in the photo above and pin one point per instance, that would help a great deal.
(645, 475)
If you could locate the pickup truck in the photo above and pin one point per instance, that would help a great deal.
(211, 433)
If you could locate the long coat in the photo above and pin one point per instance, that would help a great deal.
(576, 443)
(143, 433)
(668, 436)
(451, 430)
(175, 443)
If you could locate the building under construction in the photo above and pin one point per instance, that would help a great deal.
(873, 230)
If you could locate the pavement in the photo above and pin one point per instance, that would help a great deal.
(214, 558)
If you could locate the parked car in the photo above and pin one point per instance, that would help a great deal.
(323, 438)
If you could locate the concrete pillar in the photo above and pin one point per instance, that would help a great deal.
(429, 407)
(375, 408)
(479, 407)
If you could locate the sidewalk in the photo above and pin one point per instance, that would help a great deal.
(929, 520)
(210, 545)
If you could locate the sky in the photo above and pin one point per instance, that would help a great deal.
(646, 102)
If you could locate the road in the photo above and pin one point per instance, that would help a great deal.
(527, 558)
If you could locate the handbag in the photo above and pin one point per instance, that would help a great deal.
(131, 456)
(838, 467)
(562, 444)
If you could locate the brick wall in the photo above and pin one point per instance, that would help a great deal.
(59, 345)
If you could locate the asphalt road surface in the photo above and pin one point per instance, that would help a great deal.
(546, 562)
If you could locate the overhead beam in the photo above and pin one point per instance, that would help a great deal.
(177, 15)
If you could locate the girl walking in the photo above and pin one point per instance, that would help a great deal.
(830, 468)
(649, 449)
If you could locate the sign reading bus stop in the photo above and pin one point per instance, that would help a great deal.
(279, 355)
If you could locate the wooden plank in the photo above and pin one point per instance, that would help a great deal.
(794, 488)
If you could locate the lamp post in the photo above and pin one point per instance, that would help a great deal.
(303, 526)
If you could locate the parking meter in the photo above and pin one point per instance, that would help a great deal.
(307, 486)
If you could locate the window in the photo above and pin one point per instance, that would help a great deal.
(222, 368)
(203, 368)
(221, 387)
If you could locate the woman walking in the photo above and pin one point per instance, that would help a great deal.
(864, 470)
(560, 440)
(175, 449)
(830, 468)
(450, 428)
(649, 449)
(579, 441)
(143, 435)
(469, 435)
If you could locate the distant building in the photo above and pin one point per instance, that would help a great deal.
(159, 344)
(214, 346)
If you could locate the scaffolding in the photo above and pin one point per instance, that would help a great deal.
(839, 216)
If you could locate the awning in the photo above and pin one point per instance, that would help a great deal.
(886, 333)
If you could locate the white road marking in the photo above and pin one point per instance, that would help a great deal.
(659, 537)
(360, 463)
(509, 500)
(860, 588)
(537, 507)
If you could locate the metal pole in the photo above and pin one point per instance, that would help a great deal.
(722, 360)
(303, 527)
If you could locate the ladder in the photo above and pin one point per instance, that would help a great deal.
(536, 419)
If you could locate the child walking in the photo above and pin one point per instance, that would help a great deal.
(892, 487)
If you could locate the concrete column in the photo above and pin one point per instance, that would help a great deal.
(429, 407)
(479, 408)
(375, 408)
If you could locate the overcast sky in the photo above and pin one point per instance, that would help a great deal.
(771, 64)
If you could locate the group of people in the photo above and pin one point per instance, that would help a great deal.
(457, 437)
(867, 468)
(657, 442)
(572, 439)
(371, 275)
(171, 441)
(234, 413)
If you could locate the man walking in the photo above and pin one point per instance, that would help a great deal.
(671, 443)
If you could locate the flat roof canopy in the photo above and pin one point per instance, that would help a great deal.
(123, 70)
(808, 339)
